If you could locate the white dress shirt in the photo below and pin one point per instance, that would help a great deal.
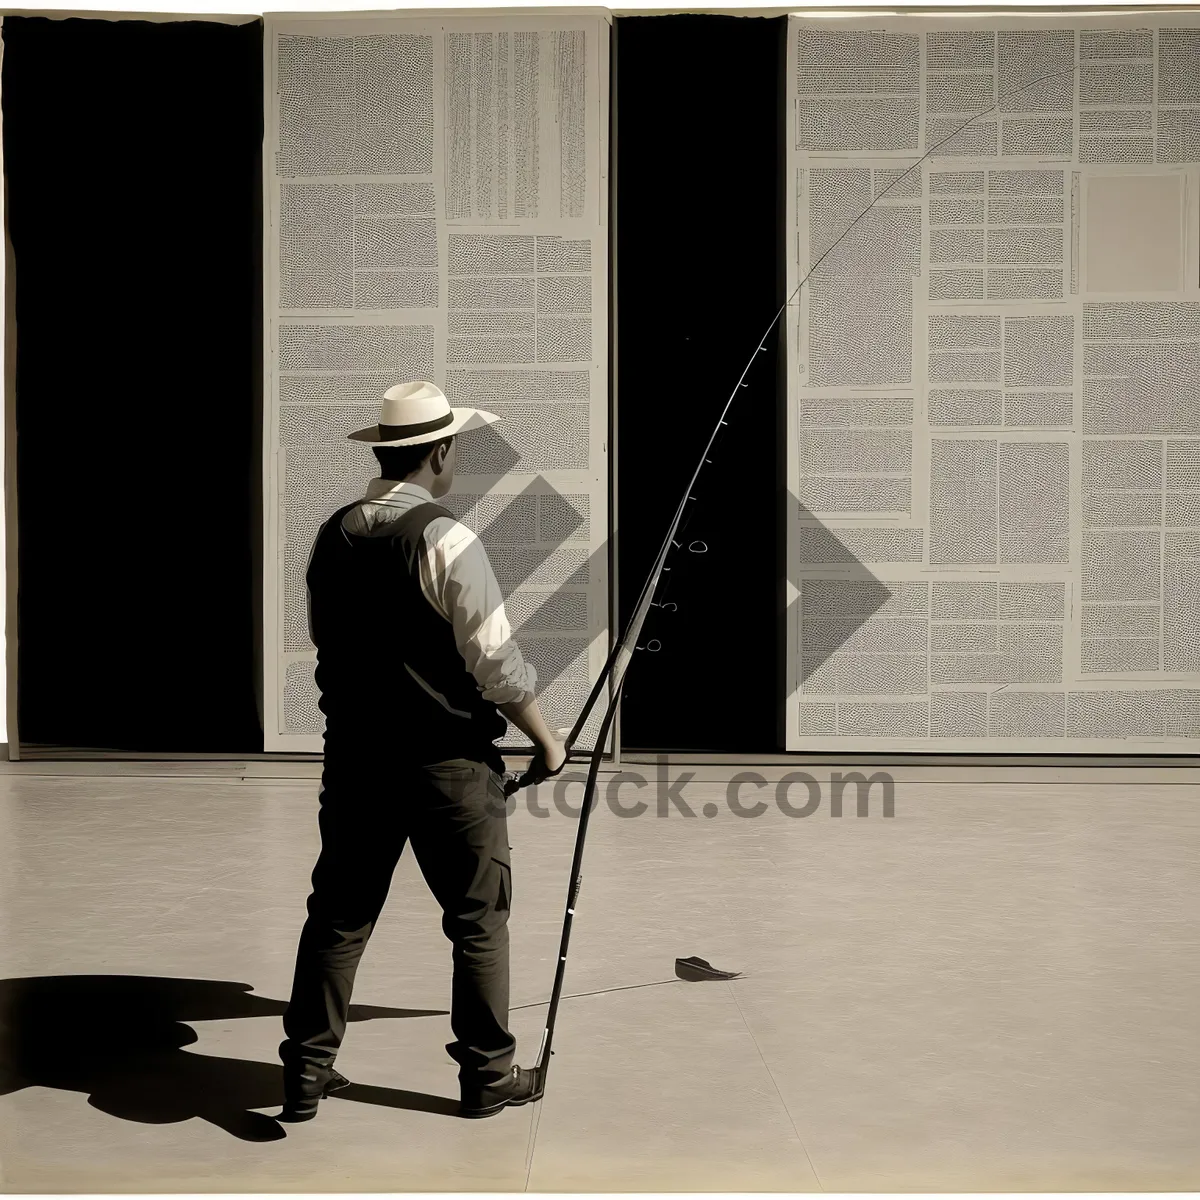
(457, 579)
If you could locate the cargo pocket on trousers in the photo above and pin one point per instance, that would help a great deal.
(504, 892)
(451, 768)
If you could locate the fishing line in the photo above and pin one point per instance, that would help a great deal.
(627, 987)
(619, 658)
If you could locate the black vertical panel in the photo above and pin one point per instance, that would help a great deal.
(133, 157)
(698, 169)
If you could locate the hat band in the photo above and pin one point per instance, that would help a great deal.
(392, 432)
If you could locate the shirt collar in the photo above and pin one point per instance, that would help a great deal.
(382, 489)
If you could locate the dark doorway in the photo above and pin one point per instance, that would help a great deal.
(697, 151)
(133, 156)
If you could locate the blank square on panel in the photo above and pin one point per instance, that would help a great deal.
(1134, 233)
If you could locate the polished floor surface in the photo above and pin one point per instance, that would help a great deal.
(993, 989)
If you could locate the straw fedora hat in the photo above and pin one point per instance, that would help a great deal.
(418, 412)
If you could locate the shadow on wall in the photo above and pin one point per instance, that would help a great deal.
(120, 1040)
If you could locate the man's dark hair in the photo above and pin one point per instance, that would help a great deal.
(399, 462)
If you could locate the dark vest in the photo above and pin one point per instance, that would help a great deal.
(394, 687)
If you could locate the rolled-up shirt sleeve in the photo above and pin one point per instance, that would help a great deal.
(457, 578)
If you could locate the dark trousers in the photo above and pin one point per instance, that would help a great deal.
(453, 813)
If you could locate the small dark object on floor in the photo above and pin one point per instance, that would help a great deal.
(697, 970)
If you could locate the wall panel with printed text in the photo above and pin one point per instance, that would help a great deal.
(437, 209)
(994, 383)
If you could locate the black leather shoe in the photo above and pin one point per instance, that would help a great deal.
(304, 1091)
(519, 1086)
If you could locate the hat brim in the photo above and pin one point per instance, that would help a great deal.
(464, 419)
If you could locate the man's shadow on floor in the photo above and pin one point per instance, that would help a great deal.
(119, 1039)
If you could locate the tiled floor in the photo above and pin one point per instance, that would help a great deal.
(995, 989)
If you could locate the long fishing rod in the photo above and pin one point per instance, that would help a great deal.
(621, 654)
